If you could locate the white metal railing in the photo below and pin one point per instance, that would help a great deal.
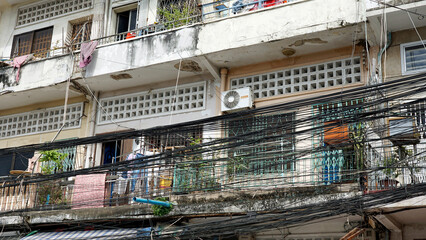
(226, 8)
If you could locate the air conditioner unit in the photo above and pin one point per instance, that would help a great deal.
(403, 131)
(237, 99)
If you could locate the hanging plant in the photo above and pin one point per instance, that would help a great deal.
(161, 210)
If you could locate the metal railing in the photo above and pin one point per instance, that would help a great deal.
(393, 171)
(17, 197)
(149, 30)
(226, 8)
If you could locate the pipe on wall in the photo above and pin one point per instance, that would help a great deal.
(154, 202)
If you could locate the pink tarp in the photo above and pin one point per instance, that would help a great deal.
(89, 191)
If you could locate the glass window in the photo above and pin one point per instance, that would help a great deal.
(413, 58)
(37, 42)
(126, 21)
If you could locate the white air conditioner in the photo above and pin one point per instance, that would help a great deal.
(237, 99)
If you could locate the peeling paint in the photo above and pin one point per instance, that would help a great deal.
(188, 66)
(4, 80)
(120, 76)
(302, 42)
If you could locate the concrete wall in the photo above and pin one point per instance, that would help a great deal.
(392, 58)
(414, 231)
(372, 4)
(144, 123)
(61, 26)
(142, 52)
(282, 22)
(188, 42)
(82, 131)
(37, 74)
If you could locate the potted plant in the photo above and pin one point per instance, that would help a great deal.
(393, 165)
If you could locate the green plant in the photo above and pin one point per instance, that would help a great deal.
(195, 173)
(393, 162)
(161, 210)
(175, 15)
(357, 135)
(53, 161)
(51, 192)
(236, 165)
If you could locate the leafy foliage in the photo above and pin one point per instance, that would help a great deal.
(394, 162)
(195, 173)
(175, 15)
(236, 165)
(54, 161)
(161, 210)
(50, 192)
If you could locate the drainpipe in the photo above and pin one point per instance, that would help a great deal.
(379, 56)
(154, 202)
(92, 123)
(223, 77)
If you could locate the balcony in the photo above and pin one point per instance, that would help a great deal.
(400, 15)
(150, 53)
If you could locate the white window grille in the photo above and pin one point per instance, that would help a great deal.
(50, 9)
(300, 79)
(40, 121)
(413, 57)
(159, 102)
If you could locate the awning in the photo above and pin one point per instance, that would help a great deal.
(121, 233)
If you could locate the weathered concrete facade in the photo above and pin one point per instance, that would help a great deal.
(134, 82)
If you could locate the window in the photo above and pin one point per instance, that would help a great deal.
(68, 161)
(116, 151)
(172, 141)
(413, 58)
(36, 42)
(337, 145)
(14, 161)
(271, 150)
(126, 21)
(80, 32)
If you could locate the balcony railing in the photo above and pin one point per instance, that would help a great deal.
(226, 8)
(17, 197)
(393, 170)
(190, 174)
(209, 11)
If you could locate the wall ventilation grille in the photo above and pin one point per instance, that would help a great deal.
(306, 78)
(50, 9)
(40, 121)
(153, 103)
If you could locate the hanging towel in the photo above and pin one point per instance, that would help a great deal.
(18, 62)
(89, 191)
(86, 52)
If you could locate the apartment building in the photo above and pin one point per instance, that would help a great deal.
(104, 78)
